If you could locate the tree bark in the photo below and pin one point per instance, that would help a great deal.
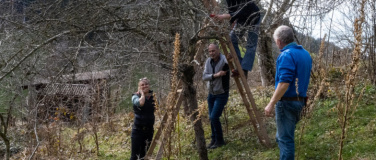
(265, 59)
(4, 124)
(3, 135)
(191, 108)
(373, 46)
(265, 50)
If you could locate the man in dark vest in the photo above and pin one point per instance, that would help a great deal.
(216, 73)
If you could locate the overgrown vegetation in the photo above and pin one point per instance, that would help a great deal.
(320, 139)
(47, 43)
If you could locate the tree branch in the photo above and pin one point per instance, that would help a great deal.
(32, 52)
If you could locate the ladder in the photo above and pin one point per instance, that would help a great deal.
(167, 123)
(166, 126)
(241, 82)
(245, 92)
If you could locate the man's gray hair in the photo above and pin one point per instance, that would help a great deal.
(284, 34)
(214, 44)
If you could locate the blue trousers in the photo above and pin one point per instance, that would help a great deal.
(287, 114)
(216, 104)
(251, 46)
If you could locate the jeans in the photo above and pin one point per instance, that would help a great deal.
(251, 46)
(216, 105)
(287, 114)
(141, 139)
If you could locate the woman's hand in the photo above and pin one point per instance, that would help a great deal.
(140, 91)
(142, 97)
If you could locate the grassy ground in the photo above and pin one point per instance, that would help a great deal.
(319, 139)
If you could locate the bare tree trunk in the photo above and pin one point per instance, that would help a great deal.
(3, 135)
(264, 47)
(95, 131)
(373, 46)
(265, 59)
(192, 108)
(4, 124)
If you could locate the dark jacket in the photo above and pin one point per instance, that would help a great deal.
(144, 116)
(217, 85)
(244, 12)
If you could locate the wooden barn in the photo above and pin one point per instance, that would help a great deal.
(80, 96)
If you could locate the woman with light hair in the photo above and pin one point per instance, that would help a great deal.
(142, 129)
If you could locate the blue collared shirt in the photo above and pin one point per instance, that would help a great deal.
(294, 66)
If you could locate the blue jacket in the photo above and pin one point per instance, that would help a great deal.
(294, 64)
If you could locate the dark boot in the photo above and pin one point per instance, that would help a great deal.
(212, 142)
(235, 73)
(245, 73)
(217, 144)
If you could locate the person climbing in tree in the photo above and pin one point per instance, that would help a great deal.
(244, 15)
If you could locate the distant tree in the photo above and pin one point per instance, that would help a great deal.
(294, 13)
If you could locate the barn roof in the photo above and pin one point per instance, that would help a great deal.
(85, 76)
(66, 89)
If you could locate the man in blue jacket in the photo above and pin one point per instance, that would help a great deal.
(216, 73)
(291, 84)
(244, 15)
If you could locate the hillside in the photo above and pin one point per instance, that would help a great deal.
(319, 139)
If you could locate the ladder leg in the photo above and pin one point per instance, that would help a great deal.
(249, 93)
(165, 128)
(247, 96)
(163, 124)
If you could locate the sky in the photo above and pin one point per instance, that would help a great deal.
(337, 24)
(334, 24)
